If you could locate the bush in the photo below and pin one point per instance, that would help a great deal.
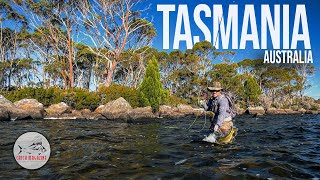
(114, 92)
(252, 90)
(81, 99)
(174, 101)
(45, 96)
(150, 91)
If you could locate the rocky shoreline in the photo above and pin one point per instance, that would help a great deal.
(117, 109)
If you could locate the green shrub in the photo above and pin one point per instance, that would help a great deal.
(76, 98)
(174, 101)
(251, 90)
(150, 91)
(81, 99)
(314, 107)
(114, 92)
(45, 96)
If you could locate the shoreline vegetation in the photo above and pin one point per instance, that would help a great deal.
(122, 102)
(119, 109)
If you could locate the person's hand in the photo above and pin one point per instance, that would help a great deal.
(203, 103)
(216, 128)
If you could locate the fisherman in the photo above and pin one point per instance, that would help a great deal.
(219, 104)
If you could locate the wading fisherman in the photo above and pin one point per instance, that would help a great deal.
(220, 105)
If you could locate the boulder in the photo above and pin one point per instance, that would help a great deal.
(256, 110)
(4, 115)
(5, 103)
(311, 112)
(85, 111)
(11, 110)
(99, 109)
(58, 109)
(199, 112)
(32, 107)
(18, 114)
(74, 115)
(290, 111)
(117, 109)
(141, 112)
(169, 112)
(94, 116)
(302, 111)
(164, 109)
(239, 110)
(88, 114)
(185, 109)
(276, 111)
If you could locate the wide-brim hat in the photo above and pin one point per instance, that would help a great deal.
(215, 87)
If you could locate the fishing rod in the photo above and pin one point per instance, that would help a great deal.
(211, 113)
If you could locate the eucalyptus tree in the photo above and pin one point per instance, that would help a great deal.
(84, 66)
(132, 66)
(116, 26)
(56, 23)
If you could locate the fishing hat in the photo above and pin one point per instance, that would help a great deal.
(215, 87)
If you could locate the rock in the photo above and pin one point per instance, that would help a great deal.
(88, 114)
(58, 109)
(199, 112)
(281, 111)
(75, 114)
(276, 111)
(13, 112)
(94, 116)
(141, 112)
(175, 115)
(85, 111)
(302, 111)
(258, 115)
(5, 102)
(290, 111)
(239, 110)
(164, 109)
(185, 109)
(117, 109)
(32, 107)
(311, 112)
(99, 109)
(4, 115)
(256, 110)
(169, 112)
(18, 114)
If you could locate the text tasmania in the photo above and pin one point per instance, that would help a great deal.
(223, 30)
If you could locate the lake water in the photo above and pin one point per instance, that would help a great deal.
(266, 147)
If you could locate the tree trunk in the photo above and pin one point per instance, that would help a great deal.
(110, 73)
(70, 61)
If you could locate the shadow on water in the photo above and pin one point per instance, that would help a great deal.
(266, 147)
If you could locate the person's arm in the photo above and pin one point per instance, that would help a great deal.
(223, 107)
(209, 104)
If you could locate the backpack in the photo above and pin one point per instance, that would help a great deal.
(232, 108)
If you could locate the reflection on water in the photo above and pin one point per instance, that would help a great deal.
(266, 147)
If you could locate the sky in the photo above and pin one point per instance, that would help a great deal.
(312, 10)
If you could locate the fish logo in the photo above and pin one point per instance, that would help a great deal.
(35, 148)
(31, 150)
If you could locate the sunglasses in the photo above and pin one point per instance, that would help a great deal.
(215, 91)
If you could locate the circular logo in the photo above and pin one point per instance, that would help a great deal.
(31, 150)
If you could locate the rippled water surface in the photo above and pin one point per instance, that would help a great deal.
(265, 147)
